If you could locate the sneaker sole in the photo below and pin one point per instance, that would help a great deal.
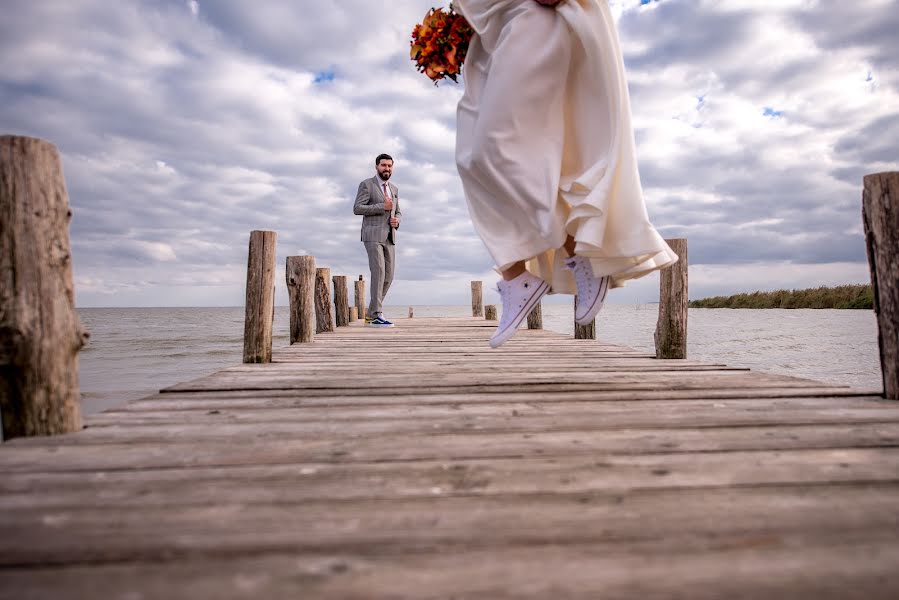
(378, 325)
(597, 304)
(506, 335)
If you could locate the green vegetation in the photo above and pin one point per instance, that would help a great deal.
(842, 296)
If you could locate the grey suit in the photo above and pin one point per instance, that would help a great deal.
(378, 236)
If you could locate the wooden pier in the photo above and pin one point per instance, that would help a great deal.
(416, 462)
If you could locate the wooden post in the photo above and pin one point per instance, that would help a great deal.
(260, 304)
(880, 213)
(490, 312)
(341, 301)
(477, 299)
(324, 320)
(535, 317)
(584, 332)
(671, 328)
(353, 313)
(301, 289)
(360, 298)
(411, 312)
(40, 333)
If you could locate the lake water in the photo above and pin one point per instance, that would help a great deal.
(133, 352)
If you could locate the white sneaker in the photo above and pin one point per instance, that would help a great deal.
(519, 297)
(591, 290)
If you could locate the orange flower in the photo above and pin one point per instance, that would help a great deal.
(440, 43)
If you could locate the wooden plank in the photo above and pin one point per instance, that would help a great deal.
(694, 520)
(217, 447)
(792, 565)
(309, 481)
(600, 415)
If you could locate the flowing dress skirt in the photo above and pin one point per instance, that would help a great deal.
(545, 146)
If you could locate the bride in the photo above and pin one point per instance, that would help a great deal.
(545, 150)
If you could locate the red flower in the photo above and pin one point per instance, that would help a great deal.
(440, 43)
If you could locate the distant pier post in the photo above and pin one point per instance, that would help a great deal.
(300, 275)
(535, 317)
(477, 299)
(671, 328)
(360, 297)
(490, 312)
(584, 332)
(341, 301)
(353, 313)
(40, 333)
(880, 213)
(260, 304)
(411, 312)
(324, 320)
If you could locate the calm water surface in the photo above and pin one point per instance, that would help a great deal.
(133, 352)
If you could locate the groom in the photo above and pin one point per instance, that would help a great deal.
(378, 202)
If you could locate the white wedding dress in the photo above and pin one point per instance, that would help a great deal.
(544, 143)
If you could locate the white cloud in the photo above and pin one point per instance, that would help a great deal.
(754, 119)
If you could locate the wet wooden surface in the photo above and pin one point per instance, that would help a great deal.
(416, 462)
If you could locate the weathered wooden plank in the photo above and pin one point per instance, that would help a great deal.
(752, 566)
(695, 520)
(618, 415)
(80, 453)
(506, 477)
(636, 401)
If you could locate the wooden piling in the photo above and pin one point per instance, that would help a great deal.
(260, 302)
(535, 317)
(324, 319)
(360, 297)
(490, 312)
(671, 328)
(411, 312)
(584, 332)
(40, 332)
(341, 301)
(477, 299)
(880, 214)
(353, 313)
(300, 274)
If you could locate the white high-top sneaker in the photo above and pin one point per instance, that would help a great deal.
(591, 290)
(519, 297)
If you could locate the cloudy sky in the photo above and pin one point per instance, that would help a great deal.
(184, 125)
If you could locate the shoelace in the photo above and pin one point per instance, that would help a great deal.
(582, 276)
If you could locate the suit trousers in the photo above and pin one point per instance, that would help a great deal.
(381, 262)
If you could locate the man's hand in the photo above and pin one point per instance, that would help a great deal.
(388, 204)
(548, 2)
(394, 222)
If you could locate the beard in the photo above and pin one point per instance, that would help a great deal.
(384, 176)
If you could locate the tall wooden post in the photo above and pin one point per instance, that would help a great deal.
(535, 317)
(477, 299)
(671, 328)
(584, 332)
(324, 320)
(260, 304)
(40, 333)
(341, 301)
(411, 312)
(360, 297)
(301, 289)
(880, 213)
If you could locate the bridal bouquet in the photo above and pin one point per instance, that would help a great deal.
(440, 43)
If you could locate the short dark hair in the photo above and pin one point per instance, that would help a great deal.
(383, 157)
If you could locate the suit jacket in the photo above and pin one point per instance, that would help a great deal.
(370, 204)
